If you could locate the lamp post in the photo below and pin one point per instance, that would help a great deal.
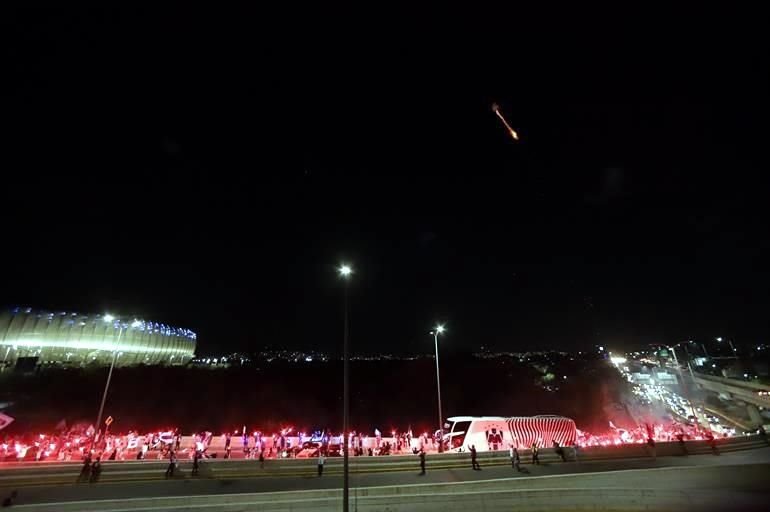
(345, 271)
(684, 386)
(435, 332)
(134, 324)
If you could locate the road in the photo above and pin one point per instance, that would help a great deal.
(759, 458)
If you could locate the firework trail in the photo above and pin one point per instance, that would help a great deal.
(496, 110)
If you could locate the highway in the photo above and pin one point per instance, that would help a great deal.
(756, 461)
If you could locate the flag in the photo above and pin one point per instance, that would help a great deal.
(377, 432)
(5, 420)
(612, 426)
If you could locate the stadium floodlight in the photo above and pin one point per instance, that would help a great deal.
(108, 317)
(345, 270)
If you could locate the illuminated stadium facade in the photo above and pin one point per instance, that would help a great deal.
(76, 339)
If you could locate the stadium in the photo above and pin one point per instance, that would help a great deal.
(74, 339)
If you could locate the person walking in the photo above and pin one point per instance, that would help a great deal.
(474, 461)
(96, 470)
(762, 433)
(515, 461)
(171, 464)
(422, 462)
(651, 446)
(85, 471)
(321, 461)
(559, 451)
(535, 454)
(682, 445)
(196, 463)
(712, 442)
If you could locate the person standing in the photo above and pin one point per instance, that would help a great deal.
(422, 462)
(474, 461)
(321, 462)
(535, 454)
(171, 464)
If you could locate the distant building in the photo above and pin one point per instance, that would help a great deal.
(74, 339)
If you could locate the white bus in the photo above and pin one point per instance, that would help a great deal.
(489, 433)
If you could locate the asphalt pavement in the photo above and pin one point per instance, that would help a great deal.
(606, 471)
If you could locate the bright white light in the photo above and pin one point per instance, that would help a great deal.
(617, 360)
(713, 366)
(108, 318)
(439, 329)
(719, 339)
(345, 270)
(601, 349)
(136, 323)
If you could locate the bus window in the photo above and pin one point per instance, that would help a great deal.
(461, 426)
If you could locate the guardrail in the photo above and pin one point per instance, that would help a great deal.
(22, 474)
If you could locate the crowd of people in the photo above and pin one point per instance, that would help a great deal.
(81, 443)
(658, 432)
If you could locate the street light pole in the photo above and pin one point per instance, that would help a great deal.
(345, 272)
(109, 318)
(684, 386)
(435, 333)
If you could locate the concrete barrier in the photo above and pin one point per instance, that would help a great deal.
(33, 473)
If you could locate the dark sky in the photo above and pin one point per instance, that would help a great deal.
(209, 169)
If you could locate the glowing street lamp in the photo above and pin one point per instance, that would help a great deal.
(345, 271)
(109, 318)
(435, 332)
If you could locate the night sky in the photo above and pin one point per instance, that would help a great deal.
(210, 169)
